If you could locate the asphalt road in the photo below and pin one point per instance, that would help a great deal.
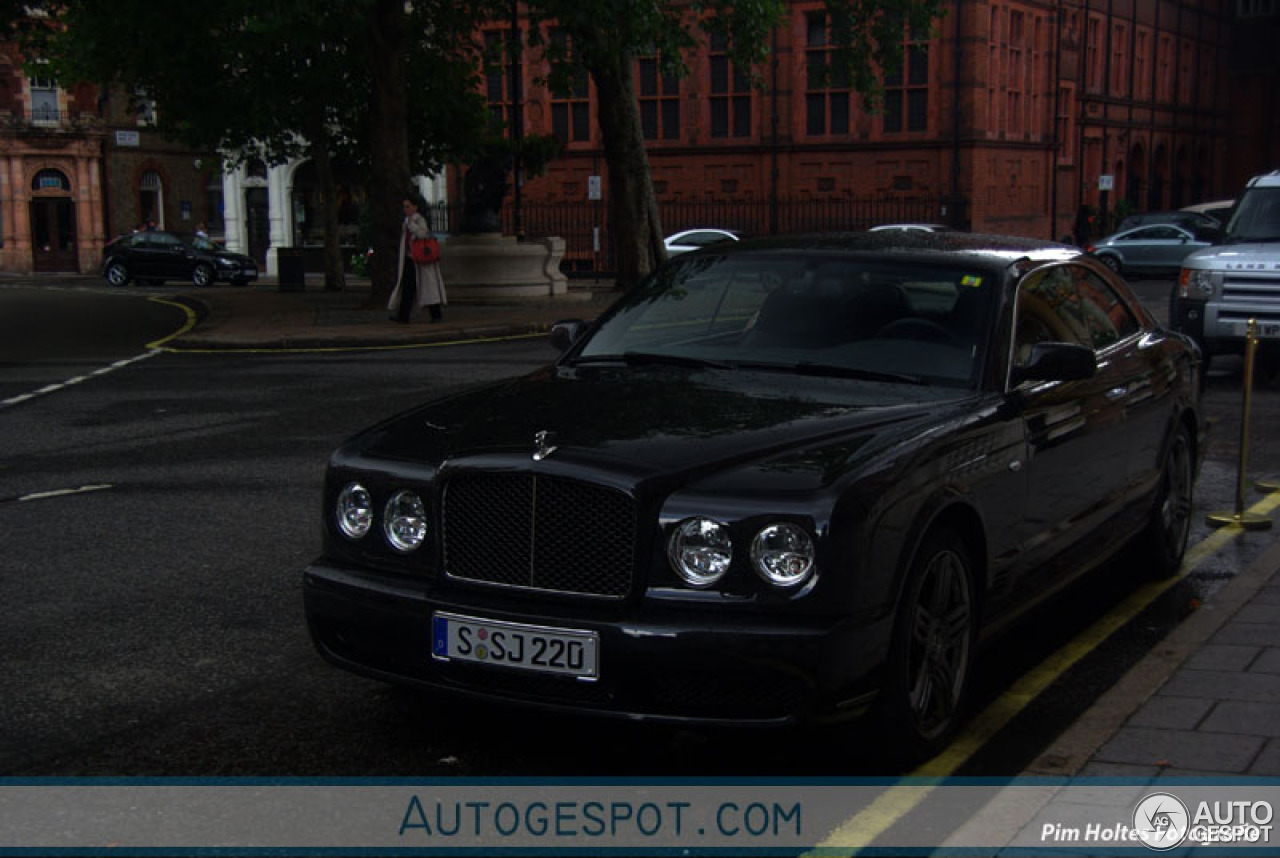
(155, 519)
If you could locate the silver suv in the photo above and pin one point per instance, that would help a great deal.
(1222, 287)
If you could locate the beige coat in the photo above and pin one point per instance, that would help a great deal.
(430, 283)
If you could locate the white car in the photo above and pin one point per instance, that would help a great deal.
(695, 239)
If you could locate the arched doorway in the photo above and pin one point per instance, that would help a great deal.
(53, 223)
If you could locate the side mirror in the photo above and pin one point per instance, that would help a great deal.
(1056, 362)
(565, 334)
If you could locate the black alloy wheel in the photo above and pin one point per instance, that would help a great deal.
(117, 274)
(1165, 540)
(1111, 262)
(932, 647)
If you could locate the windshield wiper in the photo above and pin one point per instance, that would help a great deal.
(829, 370)
(649, 358)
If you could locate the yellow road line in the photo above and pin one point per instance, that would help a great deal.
(861, 829)
(187, 326)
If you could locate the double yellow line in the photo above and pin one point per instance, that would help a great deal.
(861, 829)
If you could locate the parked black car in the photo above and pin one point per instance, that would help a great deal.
(152, 256)
(780, 480)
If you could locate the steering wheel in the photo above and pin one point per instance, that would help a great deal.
(915, 328)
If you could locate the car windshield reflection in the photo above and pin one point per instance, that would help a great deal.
(906, 323)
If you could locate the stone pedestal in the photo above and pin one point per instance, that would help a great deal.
(495, 268)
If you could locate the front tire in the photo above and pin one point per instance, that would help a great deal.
(1164, 542)
(202, 275)
(932, 651)
(117, 274)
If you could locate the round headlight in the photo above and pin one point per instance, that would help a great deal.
(354, 511)
(783, 554)
(405, 522)
(700, 551)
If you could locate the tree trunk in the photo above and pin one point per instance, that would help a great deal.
(334, 275)
(388, 141)
(634, 224)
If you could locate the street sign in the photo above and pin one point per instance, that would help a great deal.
(1106, 183)
(593, 188)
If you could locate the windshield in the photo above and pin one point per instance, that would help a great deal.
(881, 320)
(1256, 217)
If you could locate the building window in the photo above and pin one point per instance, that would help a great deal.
(1066, 123)
(144, 108)
(1119, 58)
(1016, 74)
(1093, 54)
(1186, 71)
(151, 199)
(906, 91)
(50, 180)
(659, 98)
(1142, 63)
(1164, 69)
(571, 98)
(826, 89)
(44, 100)
(497, 78)
(730, 93)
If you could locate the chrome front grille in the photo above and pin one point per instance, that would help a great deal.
(538, 533)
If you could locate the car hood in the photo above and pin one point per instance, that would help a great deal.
(651, 421)
(1254, 256)
(227, 254)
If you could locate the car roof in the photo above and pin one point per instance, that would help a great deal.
(997, 250)
(1266, 180)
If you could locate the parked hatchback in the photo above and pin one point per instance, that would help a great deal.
(152, 257)
(1156, 249)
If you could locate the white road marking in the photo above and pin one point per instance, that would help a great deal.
(57, 493)
(53, 388)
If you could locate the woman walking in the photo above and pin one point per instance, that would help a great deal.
(418, 284)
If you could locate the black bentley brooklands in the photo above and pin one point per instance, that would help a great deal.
(780, 480)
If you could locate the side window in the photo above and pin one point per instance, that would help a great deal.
(1049, 310)
(1108, 318)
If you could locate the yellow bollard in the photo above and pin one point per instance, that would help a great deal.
(1240, 518)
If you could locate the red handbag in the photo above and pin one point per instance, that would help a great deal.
(424, 250)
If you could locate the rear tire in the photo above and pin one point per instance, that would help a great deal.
(932, 651)
(1164, 542)
(202, 275)
(1112, 263)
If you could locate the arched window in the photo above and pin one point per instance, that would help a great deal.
(151, 199)
(50, 180)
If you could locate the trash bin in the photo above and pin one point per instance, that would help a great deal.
(291, 270)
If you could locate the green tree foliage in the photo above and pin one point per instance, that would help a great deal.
(394, 86)
(603, 38)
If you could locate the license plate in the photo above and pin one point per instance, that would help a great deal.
(1269, 331)
(566, 652)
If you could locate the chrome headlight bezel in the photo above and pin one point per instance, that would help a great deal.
(700, 551)
(353, 511)
(404, 521)
(783, 554)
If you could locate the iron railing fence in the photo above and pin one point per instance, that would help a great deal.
(589, 247)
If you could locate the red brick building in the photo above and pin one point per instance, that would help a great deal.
(1007, 118)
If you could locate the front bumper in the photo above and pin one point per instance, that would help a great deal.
(660, 664)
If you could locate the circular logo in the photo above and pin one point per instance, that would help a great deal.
(1161, 820)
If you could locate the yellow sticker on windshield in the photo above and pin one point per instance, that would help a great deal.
(970, 280)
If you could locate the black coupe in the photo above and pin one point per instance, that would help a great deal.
(153, 256)
(780, 480)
